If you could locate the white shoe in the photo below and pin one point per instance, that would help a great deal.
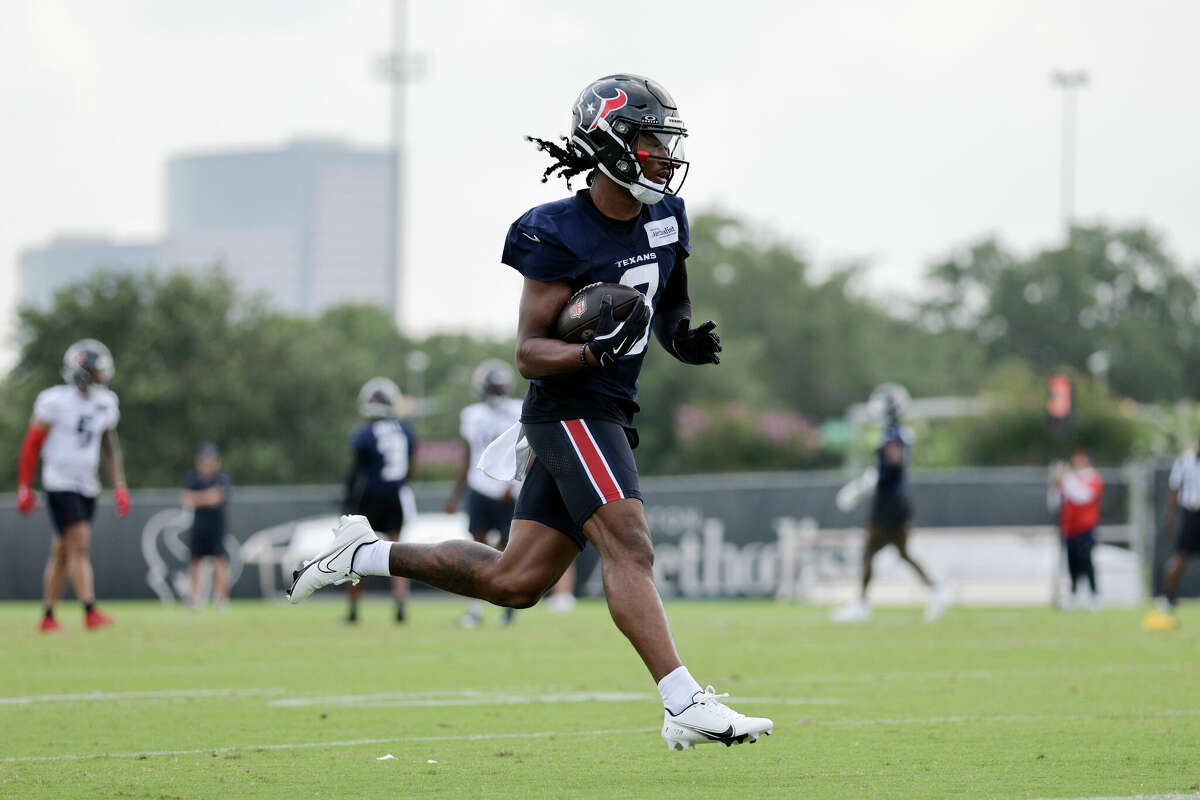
(709, 720)
(939, 600)
(562, 603)
(854, 612)
(333, 566)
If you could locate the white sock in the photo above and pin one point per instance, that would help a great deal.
(372, 559)
(677, 688)
(475, 608)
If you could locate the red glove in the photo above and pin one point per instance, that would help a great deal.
(30, 448)
(26, 500)
(121, 495)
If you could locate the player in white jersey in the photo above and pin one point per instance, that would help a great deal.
(71, 425)
(490, 503)
(1183, 503)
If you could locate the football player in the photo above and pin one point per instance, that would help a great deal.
(628, 226)
(384, 454)
(490, 502)
(71, 425)
(891, 514)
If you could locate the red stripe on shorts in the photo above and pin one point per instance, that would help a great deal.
(593, 460)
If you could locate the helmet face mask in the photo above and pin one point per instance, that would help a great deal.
(608, 122)
(86, 363)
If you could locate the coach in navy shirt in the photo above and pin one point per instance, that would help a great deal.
(206, 491)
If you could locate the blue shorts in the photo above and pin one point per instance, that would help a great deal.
(69, 508)
(579, 465)
(208, 542)
(382, 508)
(486, 514)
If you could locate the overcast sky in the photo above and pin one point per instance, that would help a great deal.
(885, 131)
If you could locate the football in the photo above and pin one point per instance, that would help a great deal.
(579, 317)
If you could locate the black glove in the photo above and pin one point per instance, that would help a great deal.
(614, 339)
(698, 345)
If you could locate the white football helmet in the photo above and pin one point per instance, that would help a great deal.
(87, 362)
(492, 378)
(379, 398)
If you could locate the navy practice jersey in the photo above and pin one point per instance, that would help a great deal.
(892, 476)
(570, 240)
(383, 450)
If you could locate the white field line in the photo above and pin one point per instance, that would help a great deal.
(1191, 796)
(165, 694)
(465, 697)
(860, 723)
(873, 677)
(617, 732)
(482, 698)
(477, 737)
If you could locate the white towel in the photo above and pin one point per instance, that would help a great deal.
(506, 458)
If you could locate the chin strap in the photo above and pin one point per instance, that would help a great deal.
(35, 437)
(644, 194)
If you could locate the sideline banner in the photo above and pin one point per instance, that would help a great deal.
(715, 535)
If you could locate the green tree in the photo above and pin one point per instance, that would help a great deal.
(1106, 290)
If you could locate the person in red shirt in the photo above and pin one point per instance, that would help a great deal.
(1079, 488)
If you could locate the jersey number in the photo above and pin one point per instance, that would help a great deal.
(83, 432)
(643, 275)
(393, 446)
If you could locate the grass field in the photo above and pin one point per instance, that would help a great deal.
(268, 700)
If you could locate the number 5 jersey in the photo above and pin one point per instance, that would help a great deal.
(77, 421)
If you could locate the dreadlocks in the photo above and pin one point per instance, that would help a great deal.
(569, 161)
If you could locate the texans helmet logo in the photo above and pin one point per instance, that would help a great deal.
(609, 105)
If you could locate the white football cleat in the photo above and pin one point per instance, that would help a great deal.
(709, 720)
(939, 600)
(333, 566)
(854, 612)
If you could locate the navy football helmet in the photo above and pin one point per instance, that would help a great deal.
(87, 362)
(606, 121)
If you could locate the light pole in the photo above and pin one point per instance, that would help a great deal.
(398, 68)
(1069, 82)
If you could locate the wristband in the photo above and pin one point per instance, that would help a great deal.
(583, 355)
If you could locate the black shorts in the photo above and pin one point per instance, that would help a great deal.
(485, 514)
(69, 508)
(1188, 540)
(382, 508)
(891, 511)
(208, 542)
(579, 465)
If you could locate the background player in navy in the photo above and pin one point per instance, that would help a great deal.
(206, 491)
(627, 227)
(77, 424)
(490, 502)
(384, 453)
(891, 514)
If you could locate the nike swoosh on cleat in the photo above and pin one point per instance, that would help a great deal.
(714, 735)
(324, 562)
